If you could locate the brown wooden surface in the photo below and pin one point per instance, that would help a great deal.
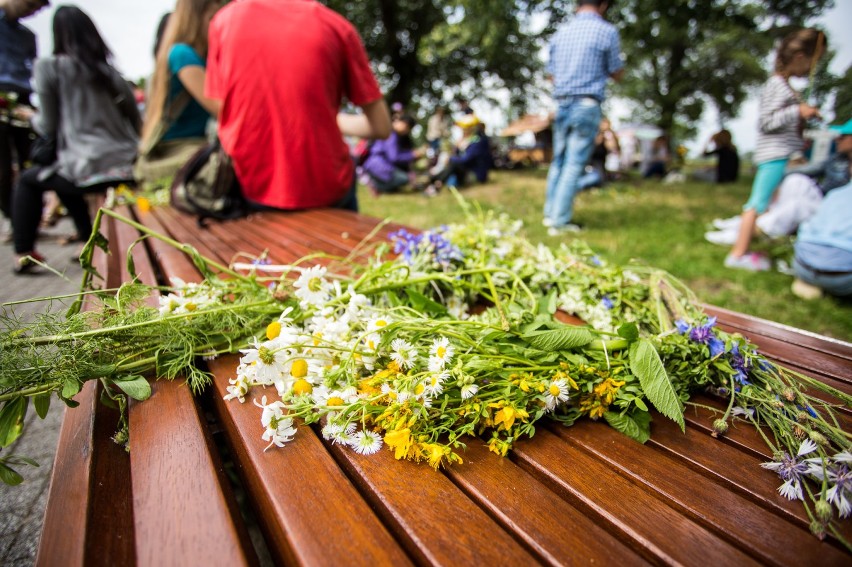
(579, 495)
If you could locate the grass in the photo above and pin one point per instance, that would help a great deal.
(659, 225)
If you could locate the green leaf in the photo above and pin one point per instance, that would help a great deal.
(12, 420)
(9, 475)
(547, 303)
(135, 386)
(638, 430)
(640, 404)
(629, 331)
(423, 304)
(564, 338)
(70, 388)
(645, 363)
(41, 403)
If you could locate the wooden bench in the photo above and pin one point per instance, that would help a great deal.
(584, 494)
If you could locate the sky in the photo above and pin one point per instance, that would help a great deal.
(128, 26)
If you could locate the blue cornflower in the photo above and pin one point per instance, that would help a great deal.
(704, 333)
(717, 347)
(607, 302)
(596, 261)
(682, 326)
(792, 470)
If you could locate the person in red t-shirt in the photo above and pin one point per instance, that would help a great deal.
(281, 69)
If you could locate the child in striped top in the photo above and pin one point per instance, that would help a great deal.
(780, 135)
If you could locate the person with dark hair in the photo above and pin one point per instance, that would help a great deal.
(17, 53)
(161, 31)
(88, 110)
(584, 54)
(472, 157)
(389, 163)
(727, 158)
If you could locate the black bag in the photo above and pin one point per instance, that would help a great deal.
(43, 151)
(207, 186)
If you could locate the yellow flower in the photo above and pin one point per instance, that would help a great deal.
(505, 417)
(299, 368)
(334, 401)
(499, 446)
(301, 387)
(399, 441)
(273, 330)
(597, 403)
(434, 453)
(143, 204)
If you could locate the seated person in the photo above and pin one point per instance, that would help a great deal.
(389, 161)
(660, 158)
(473, 156)
(728, 160)
(799, 195)
(823, 248)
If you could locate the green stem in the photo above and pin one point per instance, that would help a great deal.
(34, 391)
(611, 345)
(104, 330)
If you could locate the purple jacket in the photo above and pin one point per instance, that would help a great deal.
(385, 156)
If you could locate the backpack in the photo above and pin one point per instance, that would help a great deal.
(207, 186)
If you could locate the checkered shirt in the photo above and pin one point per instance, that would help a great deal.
(583, 54)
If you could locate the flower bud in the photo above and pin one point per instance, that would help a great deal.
(818, 529)
(823, 511)
(789, 394)
(818, 438)
(720, 427)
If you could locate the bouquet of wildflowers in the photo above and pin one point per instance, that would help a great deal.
(454, 335)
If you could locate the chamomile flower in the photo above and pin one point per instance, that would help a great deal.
(312, 289)
(269, 360)
(237, 390)
(278, 427)
(557, 392)
(366, 442)
(468, 391)
(338, 432)
(404, 353)
(440, 354)
(434, 383)
(378, 324)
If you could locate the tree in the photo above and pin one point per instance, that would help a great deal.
(843, 98)
(429, 51)
(681, 54)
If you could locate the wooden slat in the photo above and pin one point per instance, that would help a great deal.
(749, 325)
(310, 513)
(552, 529)
(177, 476)
(435, 521)
(654, 529)
(766, 536)
(90, 492)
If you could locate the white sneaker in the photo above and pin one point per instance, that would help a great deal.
(723, 237)
(804, 290)
(547, 222)
(563, 229)
(722, 224)
(751, 261)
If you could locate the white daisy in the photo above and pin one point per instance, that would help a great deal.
(441, 354)
(237, 390)
(404, 353)
(557, 392)
(338, 432)
(468, 391)
(378, 324)
(434, 383)
(366, 442)
(312, 289)
(270, 361)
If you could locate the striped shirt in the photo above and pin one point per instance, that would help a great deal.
(583, 54)
(778, 125)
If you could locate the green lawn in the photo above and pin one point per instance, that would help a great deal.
(659, 225)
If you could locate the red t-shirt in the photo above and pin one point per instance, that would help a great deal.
(281, 69)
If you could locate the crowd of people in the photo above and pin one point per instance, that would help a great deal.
(291, 139)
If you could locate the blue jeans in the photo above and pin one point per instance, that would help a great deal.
(573, 141)
(835, 283)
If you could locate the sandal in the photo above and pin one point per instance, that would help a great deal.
(26, 263)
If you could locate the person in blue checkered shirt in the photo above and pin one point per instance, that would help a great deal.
(584, 54)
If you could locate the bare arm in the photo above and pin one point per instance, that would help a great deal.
(373, 123)
(192, 77)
